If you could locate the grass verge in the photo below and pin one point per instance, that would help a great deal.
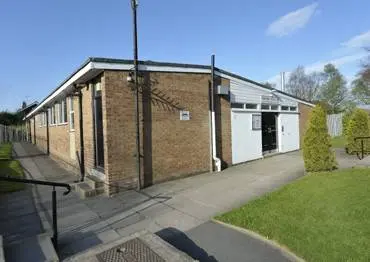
(338, 142)
(10, 168)
(5, 151)
(321, 217)
(13, 169)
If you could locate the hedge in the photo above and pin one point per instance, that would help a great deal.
(358, 126)
(317, 152)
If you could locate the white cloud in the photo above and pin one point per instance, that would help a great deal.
(319, 66)
(358, 41)
(292, 21)
(338, 62)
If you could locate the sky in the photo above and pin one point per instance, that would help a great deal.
(42, 42)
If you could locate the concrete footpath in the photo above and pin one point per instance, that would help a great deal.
(178, 211)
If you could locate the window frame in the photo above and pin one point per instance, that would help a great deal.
(62, 112)
(71, 115)
(256, 118)
(237, 106)
(247, 106)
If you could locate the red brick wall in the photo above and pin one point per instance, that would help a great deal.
(171, 147)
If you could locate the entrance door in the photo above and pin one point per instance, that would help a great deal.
(289, 135)
(269, 141)
(246, 142)
(98, 127)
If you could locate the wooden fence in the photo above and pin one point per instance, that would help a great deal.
(13, 134)
(334, 123)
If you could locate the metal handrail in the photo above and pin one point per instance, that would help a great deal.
(54, 199)
(362, 146)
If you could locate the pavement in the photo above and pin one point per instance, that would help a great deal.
(178, 211)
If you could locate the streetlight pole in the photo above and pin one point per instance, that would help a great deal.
(134, 5)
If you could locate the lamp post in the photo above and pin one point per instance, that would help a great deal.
(134, 4)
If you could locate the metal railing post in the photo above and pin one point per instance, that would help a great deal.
(54, 199)
(55, 222)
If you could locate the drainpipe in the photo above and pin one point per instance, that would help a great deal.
(134, 4)
(82, 148)
(29, 130)
(47, 132)
(34, 130)
(216, 160)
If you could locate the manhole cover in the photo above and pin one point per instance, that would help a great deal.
(134, 250)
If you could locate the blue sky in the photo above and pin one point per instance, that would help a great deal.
(43, 41)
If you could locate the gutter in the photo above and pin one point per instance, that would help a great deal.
(216, 160)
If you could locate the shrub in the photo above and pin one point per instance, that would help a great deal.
(358, 126)
(317, 152)
(345, 121)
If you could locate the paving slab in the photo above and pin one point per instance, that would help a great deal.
(180, 206)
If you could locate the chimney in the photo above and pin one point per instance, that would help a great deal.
(282, 87)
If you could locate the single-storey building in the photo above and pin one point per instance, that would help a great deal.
(88, 122)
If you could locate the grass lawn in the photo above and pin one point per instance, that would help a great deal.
(338, 142)
(320, 217)
(11, 168)
(6, 151)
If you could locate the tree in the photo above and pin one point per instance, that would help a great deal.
(317, 153)
(357, 126)
(361, 85)
(7, 118)
(361, 90)
(334, 89)
(302, 85)
(270, 85)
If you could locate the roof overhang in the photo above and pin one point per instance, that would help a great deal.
(94, 66)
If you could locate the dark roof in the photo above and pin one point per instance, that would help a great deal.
(30, 106)
(146, 62)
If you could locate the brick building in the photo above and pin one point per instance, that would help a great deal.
(87, 124)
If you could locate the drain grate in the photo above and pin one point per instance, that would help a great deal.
(133, 250)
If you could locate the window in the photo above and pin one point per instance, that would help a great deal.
(237, 105)
(293, 108)
(274, 107)
(256, 122)
(63, 112)
(42, 119)
(250, 106)
(284, 108)
(265, 107)
(49, 115)
(71, 115)
(54, 114)
(39, 119)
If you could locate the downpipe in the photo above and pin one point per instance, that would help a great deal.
(216, 160)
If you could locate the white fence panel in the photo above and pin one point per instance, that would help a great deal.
(334, 123)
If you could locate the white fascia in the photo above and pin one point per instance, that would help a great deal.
(62, 88)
